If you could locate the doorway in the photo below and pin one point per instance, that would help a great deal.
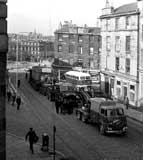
(124, 91)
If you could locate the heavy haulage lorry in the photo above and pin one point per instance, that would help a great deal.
(39, 75)
(107, 114)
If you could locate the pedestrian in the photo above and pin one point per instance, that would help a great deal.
(13, 98)
(26, 75)
(18, 83)
(18, 101)
(31, 135)
(127, 102)
(9, 95)
(57, 107)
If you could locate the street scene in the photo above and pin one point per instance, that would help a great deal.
(73, 138)
(71, 86)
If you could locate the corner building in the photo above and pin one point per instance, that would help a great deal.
(122, 52)
(78, 44)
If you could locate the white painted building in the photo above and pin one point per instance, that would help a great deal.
(122, 52)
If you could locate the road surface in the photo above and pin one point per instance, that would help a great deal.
(73, 137)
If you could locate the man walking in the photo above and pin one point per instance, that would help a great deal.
(31, 137)
(13, 98)
(8, 95)
(18, 83)
(127, 102)
(26, 75)
(18, 101)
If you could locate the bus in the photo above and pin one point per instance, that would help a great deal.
(78, 79)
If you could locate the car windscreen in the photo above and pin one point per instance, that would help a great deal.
(115, 112)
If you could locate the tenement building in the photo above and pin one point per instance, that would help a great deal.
(78, 44)
(122, 52)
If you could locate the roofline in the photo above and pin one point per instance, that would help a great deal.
(119, 14)
(60, 32)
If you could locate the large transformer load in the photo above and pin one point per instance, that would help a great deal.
(40, 75)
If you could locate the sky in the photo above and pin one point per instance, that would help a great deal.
(44, 16)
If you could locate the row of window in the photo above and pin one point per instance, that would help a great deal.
(92, 38)
(131, 91)
(129, 21)
(29, 43)
(25, 48)
(118, 43)
(127, 65)
(72, 49)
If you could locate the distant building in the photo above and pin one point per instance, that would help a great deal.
(78, 45)
(31, 47)
(122, 52)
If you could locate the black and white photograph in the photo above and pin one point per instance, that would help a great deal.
(71, 80)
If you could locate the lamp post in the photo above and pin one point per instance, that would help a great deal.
(17, 50)
(16, 65)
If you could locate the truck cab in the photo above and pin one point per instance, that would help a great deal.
(112, 119)
(107, 114)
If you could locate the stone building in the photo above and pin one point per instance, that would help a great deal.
(78, 44)
(31, 47)
(122, 52)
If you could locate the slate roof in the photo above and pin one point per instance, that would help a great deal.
(126, 8)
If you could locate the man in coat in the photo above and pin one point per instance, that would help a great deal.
(13, 98)
(31, 136)
(8, 95)
(18, 101)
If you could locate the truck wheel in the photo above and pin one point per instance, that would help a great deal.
(101, 129)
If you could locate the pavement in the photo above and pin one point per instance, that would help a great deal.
(18, 148)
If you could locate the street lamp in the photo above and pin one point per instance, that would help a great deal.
(16, 65)
(17, 50)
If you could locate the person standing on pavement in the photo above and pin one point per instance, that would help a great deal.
(18, 83)
(57, 107)
(31, 137)
(26, 75)
(127, 102)
(18, 101)
(13, 98)
(8, 95)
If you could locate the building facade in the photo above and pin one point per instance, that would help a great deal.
(78, 44)
(122, 52)
(31, 47)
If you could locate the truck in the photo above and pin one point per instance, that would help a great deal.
(107, 114)
(68, 98)
(39, 75)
